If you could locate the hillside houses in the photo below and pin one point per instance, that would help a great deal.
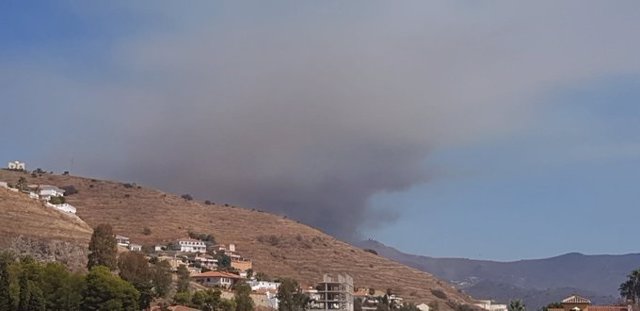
(51, 196)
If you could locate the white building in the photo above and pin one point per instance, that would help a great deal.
(122, 240)
(4, 184)
(192, 246)
(48, 191)
(423, 307)
(490, 305)
(17, 165)
(64, 207)
(263, 285)
(135, 247)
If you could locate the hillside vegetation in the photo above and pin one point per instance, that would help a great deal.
(278, 246)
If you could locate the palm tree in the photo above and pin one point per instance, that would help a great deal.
(516, 305)
(630, 289)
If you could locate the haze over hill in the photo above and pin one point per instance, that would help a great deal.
(538, 281)
(278, 246)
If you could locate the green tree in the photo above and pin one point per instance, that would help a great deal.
(182, 298)
(57, 200)
(31, 296)
(62, 289)
(630, 289)
(183, 278)
(103, 248)
(6, 300)
(516, 305)
(227, 305)
(290, 296)
(161, 278)
(207, 300)
(107, 292)
(224, 261)
(22, 184)
(134, 268)
(242, 296)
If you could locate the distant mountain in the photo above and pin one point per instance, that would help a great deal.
(538, 281)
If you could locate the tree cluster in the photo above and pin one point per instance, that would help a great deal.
(27, 285)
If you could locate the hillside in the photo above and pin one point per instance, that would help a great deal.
(595, 276)
(278, 246)
(30, 228)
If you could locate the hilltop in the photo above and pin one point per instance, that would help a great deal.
(278, 246)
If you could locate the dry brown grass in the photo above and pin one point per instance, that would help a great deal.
(30, 218)
(278, 246)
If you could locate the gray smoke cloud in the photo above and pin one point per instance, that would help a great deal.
(308, 110)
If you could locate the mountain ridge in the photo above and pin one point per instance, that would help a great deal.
(595, 276)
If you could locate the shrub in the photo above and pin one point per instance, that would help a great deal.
(187, 197)
(368, 250)
(146, 231)
(202, 237)
(57, 200)
(69, 190)
(269, 239)
(65, 173)
(439, 293)
(207, 202)
(127, 185)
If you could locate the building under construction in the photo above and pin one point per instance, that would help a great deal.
(334, 294)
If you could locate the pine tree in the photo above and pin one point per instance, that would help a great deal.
(103, 248)
(6, 301)
(242, 296)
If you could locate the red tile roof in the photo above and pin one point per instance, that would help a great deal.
(609, 308)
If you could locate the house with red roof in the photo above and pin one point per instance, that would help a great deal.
(578, 303)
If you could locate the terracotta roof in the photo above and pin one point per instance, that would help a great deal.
(609, 308)
(217, 274)
(576, 299)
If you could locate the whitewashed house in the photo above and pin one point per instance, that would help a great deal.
(191, 246)
(17, 165)
(423, 307)
(4, 184)
(48, 191)
(122, 240)
(263, 285)
(135, 247)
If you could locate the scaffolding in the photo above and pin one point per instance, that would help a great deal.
(333, 294)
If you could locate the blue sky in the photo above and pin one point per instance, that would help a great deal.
(492, 131)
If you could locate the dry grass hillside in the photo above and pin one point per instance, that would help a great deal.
(278, 246)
